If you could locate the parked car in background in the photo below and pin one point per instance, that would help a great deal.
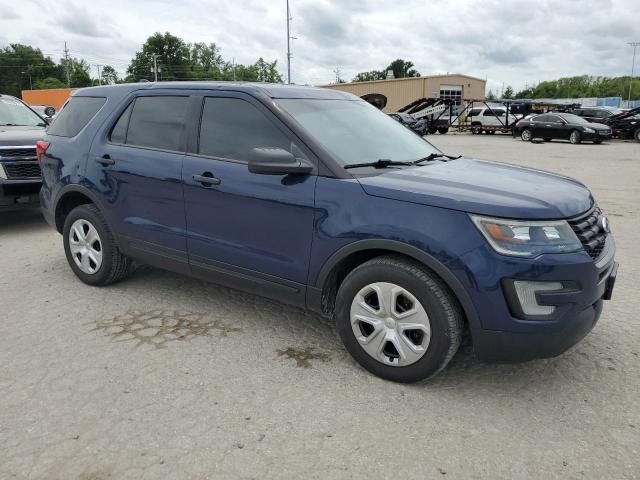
(596, 114)
(20, 176)
(420, 126)
(491, 120)
(311, 197)
(562, 126)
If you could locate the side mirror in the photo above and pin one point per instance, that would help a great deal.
(277, 161)
(49, 111)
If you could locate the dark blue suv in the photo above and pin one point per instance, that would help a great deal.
(315, 198)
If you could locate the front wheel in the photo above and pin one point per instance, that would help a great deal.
(526, 135)
(90, 247)
(442, 130)
(575, 137)
(398, 319)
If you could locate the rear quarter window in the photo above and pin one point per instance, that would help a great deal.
(75, 115)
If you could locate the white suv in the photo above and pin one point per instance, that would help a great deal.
(485, 119)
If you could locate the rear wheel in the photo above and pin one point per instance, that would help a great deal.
(526, 135)
(90, 247)
(397, 319)
(476, 129)
(443, 130)
(637, 135)
(547, 139)
(597, 142)
(433, 130)
(575, 137)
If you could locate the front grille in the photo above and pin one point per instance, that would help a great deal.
(20, 170)
(590, 232)
(12, 152)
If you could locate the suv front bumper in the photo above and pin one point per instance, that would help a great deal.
(505, 336)
(15, 194)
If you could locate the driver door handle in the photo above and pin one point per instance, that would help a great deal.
(206, 179)
(105, 160)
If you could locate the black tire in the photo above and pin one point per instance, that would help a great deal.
(115, 266)
(597, 142)
(476, 129)
(433, 130)
(443, 130)
(491, 132)
(637, 135)
(575, 137)
(526, 135)
(445, 315)
(547, 139)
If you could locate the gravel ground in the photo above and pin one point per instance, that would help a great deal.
(161, 376)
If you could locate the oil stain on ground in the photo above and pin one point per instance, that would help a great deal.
(160, 327)
(303, 356)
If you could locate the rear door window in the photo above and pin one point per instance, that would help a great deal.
(75, 115)
(153, 122)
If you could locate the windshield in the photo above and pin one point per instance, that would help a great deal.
(14, 113)
(571, 118)
(357, 132)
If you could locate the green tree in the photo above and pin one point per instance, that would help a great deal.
(173, 59)
(402, 69)
(491, 95)
(108, 76)
(508, 92)
(49, 82)
(78, 72)
(18, 62)
(369, 76)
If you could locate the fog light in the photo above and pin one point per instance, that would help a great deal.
(526, 292)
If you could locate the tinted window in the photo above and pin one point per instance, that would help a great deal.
(554, 119)
(542, 118)
(157, 122)
(119, 131)
(75, 115)
(475, 112)
(493, 113)
(232, 127)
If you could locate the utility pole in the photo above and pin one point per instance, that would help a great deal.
(337, 72)
(233, 64)
(99, 76)
(288, 44)
(67, 65)
(155, 67)
(30, 83)
(633, 64)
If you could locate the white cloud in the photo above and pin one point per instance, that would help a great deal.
(504, 41)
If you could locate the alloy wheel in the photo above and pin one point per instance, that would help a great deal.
(85, 246)
(526, 135)
(390, 324)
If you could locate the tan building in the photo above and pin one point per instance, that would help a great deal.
(402, 91)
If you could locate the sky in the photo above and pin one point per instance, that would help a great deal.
(508, 42)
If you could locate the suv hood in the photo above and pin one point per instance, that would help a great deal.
(485, 188)
(20, 136)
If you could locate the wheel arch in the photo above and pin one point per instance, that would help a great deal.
(70, 197)
(351, 256)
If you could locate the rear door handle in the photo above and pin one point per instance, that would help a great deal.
(207, 179)
(105, 160)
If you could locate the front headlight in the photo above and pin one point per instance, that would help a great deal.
(589, 130)
(527, 238)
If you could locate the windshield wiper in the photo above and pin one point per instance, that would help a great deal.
(435, 156)
(381, 163)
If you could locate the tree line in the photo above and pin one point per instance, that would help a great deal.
(581, 86)
(24, 67)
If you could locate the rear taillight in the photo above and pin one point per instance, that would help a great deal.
(41, 149)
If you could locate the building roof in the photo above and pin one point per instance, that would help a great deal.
(423, 77)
